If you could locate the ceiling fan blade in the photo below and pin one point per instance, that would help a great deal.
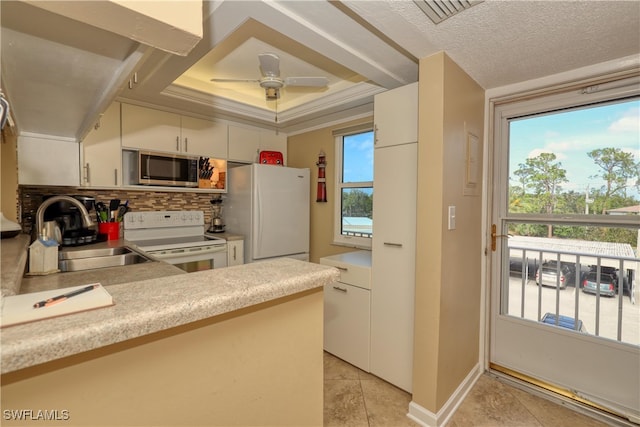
(306, 81)
(269, 64)
(235, 80)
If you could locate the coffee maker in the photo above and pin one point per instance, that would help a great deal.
(69, 220)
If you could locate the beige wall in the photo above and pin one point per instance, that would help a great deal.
(448, 267)
(302, 152)
(9, 177)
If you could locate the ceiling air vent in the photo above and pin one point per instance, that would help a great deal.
(439, 10)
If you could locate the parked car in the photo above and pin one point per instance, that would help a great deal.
(547, 275)
(608, 283)
(564, 322)
(516, 265)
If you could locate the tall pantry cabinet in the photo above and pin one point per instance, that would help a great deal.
(394, 227)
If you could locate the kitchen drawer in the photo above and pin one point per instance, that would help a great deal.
(346, 323)
(350, 273)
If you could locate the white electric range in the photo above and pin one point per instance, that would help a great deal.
(177, 237)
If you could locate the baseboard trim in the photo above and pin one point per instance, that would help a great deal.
(427, 418)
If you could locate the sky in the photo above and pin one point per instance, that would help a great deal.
(358, 157)
(571, 135)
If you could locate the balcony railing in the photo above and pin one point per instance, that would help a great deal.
(563, 300)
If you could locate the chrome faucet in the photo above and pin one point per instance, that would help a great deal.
(86, 220)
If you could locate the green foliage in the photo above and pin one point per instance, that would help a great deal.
(539, 191)
(616, 169)
(356, 203)
(543, 175)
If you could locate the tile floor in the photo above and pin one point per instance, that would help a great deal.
(354, 398)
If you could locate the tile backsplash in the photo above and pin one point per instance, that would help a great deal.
(30, 197)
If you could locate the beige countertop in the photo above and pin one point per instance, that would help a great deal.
(148, 306)
(13, 259)
(361, 258)
(105, 276)
(228, 236)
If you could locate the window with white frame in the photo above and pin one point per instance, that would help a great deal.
(353, 218)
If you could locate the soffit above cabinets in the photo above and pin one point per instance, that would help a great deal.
(60, 76)
(56, 82)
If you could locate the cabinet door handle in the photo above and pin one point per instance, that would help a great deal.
(87, 176)
(177, 143)
(115, 176)
(234, 252)
(375, 134)
(395, 245)
(338, 288)
(342, 268)
(186, 146)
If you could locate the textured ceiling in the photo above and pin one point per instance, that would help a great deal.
(504, 42)
(60, 73)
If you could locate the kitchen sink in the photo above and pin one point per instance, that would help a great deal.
(93, 253)
(91, 259)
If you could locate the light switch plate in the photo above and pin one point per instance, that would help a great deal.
(452, 217)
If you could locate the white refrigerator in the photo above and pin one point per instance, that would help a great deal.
(269, 206)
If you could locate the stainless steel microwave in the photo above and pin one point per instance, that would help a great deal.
(156, 168)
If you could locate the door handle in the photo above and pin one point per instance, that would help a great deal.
(338, 288)
(494, 237)
(395, 245)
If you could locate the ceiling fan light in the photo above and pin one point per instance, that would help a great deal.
(272, 93)
(271, 82)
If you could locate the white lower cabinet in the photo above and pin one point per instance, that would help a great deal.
(347, 308)
(235, 252)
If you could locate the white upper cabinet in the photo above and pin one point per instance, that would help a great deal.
(246, 143)
(162, 131)
(204, 137)
(270, 140)
(150, 129)
(396, 116)
(44, 160)
(101, 149)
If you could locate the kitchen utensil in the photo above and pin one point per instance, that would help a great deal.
(101, 212)
(114, 204)
(122, 209)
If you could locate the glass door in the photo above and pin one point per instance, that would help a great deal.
(566, 221)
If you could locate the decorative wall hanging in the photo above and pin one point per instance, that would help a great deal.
(322, 181)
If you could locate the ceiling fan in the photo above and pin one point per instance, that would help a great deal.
(271, 80)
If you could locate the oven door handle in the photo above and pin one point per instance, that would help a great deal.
(187, 253)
